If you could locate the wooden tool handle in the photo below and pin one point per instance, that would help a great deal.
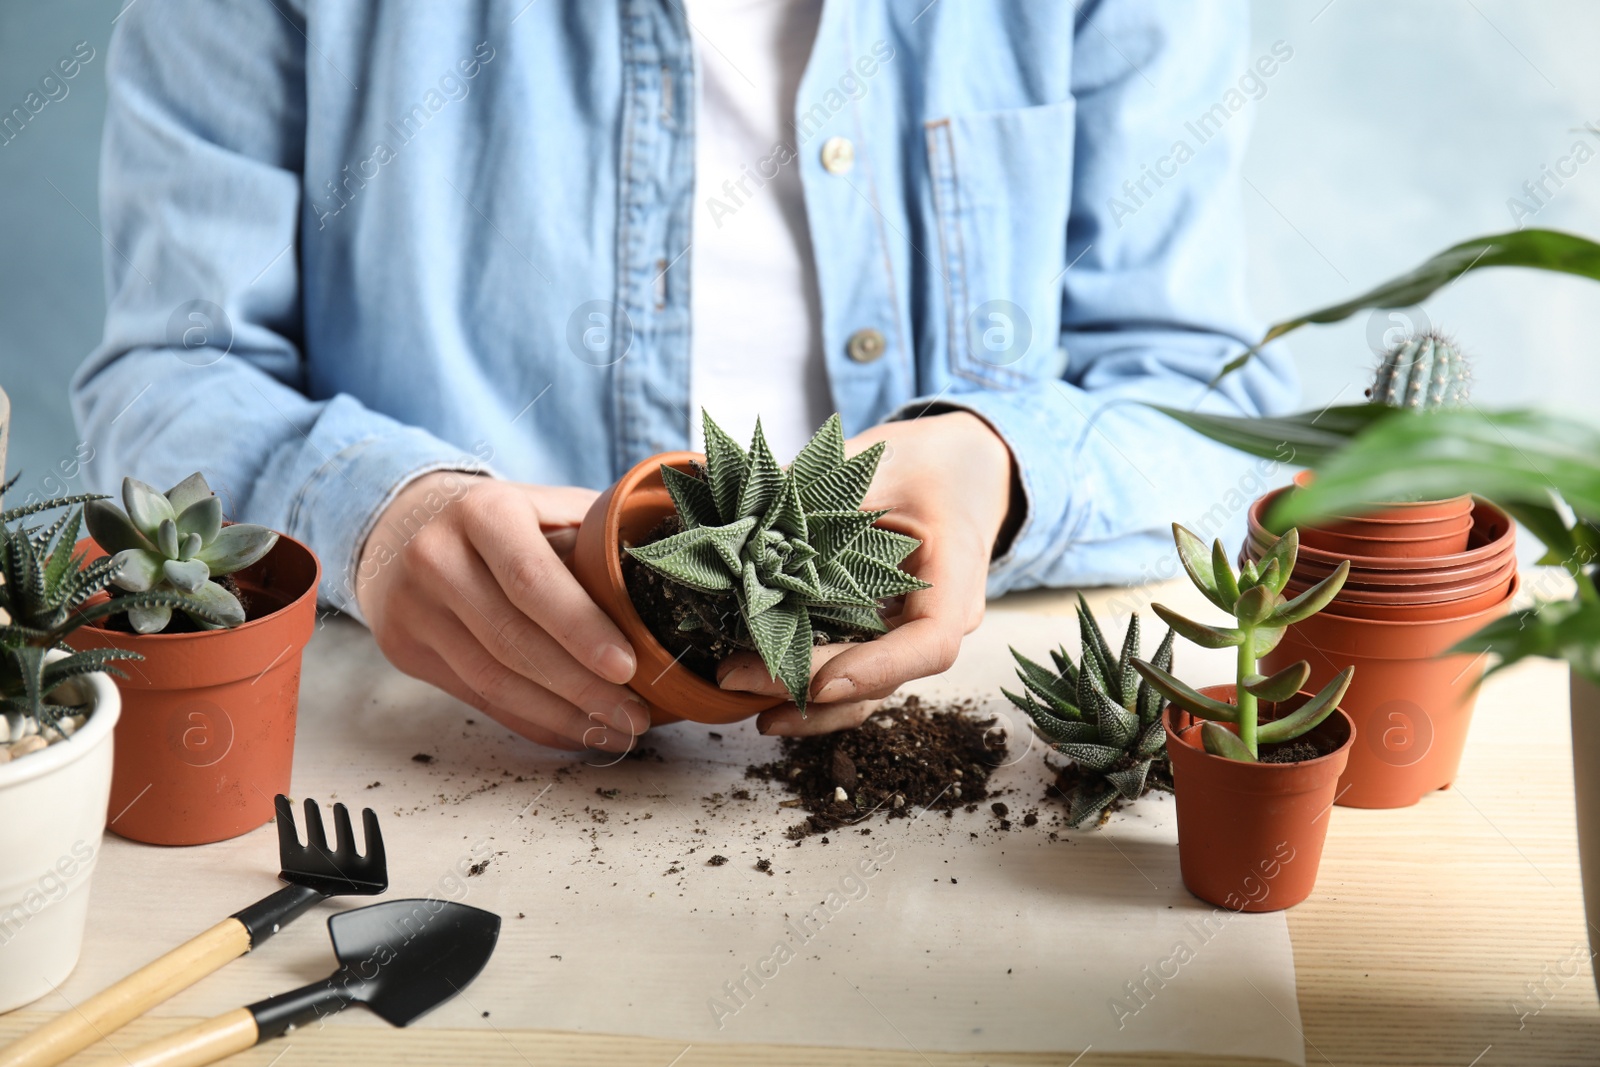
(200, 1044)
(112, 1008)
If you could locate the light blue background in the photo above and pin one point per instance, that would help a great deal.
(1395, 130)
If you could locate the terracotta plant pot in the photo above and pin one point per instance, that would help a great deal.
(52, 814)
(1411, 706)
(624, 515)
(1378, 520)
(1250, 835)
(1586, 789)
(1398, 541)
(207, 731)
(1406, 593)
(1492, 533)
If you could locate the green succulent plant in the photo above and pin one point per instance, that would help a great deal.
(45, 590)
(175, 542)
(785, 555)
(1254, 597)
(1099, 714)
(1423, 373)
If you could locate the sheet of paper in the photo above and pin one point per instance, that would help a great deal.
(931, 933)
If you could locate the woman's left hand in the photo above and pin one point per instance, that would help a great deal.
(948, 478)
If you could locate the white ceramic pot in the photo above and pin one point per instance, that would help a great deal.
(1586, 787)
(52, 815)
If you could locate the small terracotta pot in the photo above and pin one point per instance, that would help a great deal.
(624, 515)
(207, 731)
(1250, 835)
(1408, 596)
(1399, 541)
(1492, 534)
(1379, 515)
(1411, 705)
(1440, 612)
(1377, 581)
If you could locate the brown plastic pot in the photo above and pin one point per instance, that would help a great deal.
(624, 515)
(1377, 520)
(1411, 705)
(206, 737)
(1309, 573)
(1400, 541)
(1493, 533)
(1411, 595)
(1250, 835)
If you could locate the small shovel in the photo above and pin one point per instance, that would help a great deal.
(401, 959)
(314, 872)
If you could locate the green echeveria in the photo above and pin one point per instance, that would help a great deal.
(175, 542)
(1101, 715)
(790, 547)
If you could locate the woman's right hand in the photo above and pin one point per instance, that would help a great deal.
(464, 584)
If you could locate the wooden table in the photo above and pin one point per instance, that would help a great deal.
(1428, 929)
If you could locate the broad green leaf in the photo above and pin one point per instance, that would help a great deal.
(1312, 600)
(1255, 605)
(1307, 438)
(187, 576)
(1282, 685)
(167, 538)
(189, 492)
(1562, 629)
(1310, 713)
(1185, 697)
(1198, 632)
(1221, 741)
(136, 569)
(218, 607)
(147, 508)
(1549, 250)
(692, 558)
(203, 517)
(236, 547)
(111, 528)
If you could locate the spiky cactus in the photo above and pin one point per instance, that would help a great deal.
(44, 588)
(1254, 597)
(785, 555)
(1424, 373)
(1099, 714)
(175, 542)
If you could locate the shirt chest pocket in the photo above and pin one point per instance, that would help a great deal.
(1001, 191)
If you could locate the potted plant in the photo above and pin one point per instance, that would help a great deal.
(1255, 764)
(1100, 715)
(695, 557)
(57, 711)
(207, 735)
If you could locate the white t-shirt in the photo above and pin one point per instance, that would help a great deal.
(756, 347)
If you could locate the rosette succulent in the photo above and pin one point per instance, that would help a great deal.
(1261, 614)
(174, 542)
(1098, 713)
(781, 558)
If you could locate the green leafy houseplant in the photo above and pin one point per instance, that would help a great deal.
(175, 542)
(1254, 597)
(777, 559)
(1099, 714)
(45, 595)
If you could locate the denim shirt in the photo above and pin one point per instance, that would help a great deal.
(352, 242)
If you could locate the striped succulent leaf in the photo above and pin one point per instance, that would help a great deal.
(1099, 714)
(791, 546)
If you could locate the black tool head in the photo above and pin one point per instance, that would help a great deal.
(337, 871)
(404, 958)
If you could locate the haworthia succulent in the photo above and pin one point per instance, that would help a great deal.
(791, 546)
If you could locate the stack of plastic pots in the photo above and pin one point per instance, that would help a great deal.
(1422, 577)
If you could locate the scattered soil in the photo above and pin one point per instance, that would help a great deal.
(900, 762)
(716, 861)
(182, 624)
(422, 757)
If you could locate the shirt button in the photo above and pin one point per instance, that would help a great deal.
(838, 155)
(865, 346)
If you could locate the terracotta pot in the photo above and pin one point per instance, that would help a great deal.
(1403, 541)
(1250, 835)
(1411, 705)
(1378, 581)
(1405, 596)
(208, 718)
(1427, 612)
(1586, 789)
(1378, 516)
(1492, 533)
(624, 515)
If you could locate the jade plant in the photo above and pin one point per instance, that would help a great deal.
(175, 542)
(45, 592)
(1261, 615)
(1098, 713)
(777, 559)
(1423, 373)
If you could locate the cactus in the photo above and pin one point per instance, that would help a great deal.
(44, 588)
(1254, 597)
(1424, 373)
(174, 542)
(1097, 713)
(785, 554)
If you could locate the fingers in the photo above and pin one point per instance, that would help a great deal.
(424, 663)
(535, 580)
(517, 702)
(786, 720)
(745, 671)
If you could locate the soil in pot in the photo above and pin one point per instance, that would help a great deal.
(1250, 835)
(207, 732)
(902, 761)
